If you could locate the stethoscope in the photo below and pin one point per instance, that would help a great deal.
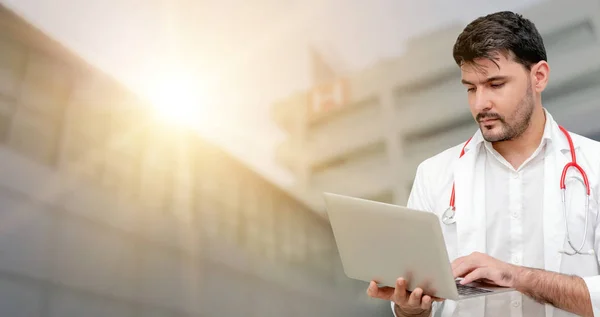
(448, 215)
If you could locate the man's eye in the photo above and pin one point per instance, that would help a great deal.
(470, 89)
(497, 85)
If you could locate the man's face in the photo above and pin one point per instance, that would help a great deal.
(500, 97)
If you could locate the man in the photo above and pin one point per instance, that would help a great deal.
(509, 222)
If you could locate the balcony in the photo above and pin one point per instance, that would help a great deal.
(443, 100)
(344, 133)
(365, 173)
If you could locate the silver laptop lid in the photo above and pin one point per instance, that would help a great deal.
(381, 242)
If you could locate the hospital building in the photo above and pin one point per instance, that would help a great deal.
(363, 134)
(106, 211)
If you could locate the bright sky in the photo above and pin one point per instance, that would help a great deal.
(241, 56)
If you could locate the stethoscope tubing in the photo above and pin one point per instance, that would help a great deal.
(449, 214)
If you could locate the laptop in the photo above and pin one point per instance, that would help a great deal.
(382, 242)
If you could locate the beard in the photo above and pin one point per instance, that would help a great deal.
(510, 128)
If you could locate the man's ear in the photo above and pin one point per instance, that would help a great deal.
(541, 73)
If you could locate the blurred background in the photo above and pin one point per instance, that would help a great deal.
(167, 158)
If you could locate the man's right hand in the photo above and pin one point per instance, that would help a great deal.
(407, 303)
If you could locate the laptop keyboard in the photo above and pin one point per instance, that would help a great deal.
(465, 290)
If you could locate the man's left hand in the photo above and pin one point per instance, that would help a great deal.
(484, 268)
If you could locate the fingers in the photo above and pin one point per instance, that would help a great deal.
(414, 299)
(463, 270)
(380, 292)
(476, 274)
(465, 266)
(456, 263)
(417, 300)
(426, 302)
(400, 294)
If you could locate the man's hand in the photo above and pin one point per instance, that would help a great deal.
(566, 292)
(408, 303)
(482, 267)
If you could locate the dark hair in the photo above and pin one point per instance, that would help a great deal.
(502, 32)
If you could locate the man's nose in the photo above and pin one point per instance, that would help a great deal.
(482, 100)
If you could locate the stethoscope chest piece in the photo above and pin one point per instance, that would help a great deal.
(448, 216)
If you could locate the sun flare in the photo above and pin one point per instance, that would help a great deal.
(177, 99)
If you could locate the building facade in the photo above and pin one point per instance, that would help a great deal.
(364, 134)
(106, 212)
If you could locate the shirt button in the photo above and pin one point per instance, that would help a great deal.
(516, 260)
(516, 303)
(515, 215)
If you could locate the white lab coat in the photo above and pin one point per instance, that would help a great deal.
(431, 192)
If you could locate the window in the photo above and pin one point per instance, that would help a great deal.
(34, 136)
(320, 246)
(46, 86)
(205, 206)
(124, 154)
(300, 236)
(249, 213)
(12, 61)
(269, 236)
(85, 141)
(279, 215)
(294, 234)
(35, 130)
(157, 187)
(6, 114)
(158, 174)
(208, 216)
(284, 235)
(118, 174)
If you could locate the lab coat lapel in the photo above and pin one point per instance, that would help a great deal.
(469, 176)
(556, 158)
(554, 230)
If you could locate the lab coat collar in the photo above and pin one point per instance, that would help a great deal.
(556, 136)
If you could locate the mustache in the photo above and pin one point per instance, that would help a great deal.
(488, 115)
